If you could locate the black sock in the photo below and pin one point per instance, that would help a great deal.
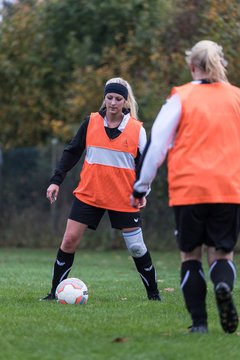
(62, 267)
(147, 272)
(194, 290)
(223, 270)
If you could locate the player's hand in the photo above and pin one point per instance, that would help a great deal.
(138, 203)
(52, 193)
(142, 202)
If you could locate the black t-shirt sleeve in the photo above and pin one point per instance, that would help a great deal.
(139, 167)
(71, 154)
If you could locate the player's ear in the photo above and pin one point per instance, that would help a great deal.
(192, 68)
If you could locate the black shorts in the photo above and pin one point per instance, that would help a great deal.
(91, 216)
(216, 225)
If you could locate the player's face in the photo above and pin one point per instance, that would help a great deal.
(114, 103)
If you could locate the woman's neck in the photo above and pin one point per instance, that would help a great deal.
(114, 120)
(197, 74)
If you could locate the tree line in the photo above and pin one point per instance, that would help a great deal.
(56, 55)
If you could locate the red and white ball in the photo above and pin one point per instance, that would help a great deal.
(72, 291)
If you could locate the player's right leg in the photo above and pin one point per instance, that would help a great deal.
(82, 216)
(223, 275)
(65, 255)
(223, 229)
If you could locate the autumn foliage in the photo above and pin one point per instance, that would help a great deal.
(56, 55)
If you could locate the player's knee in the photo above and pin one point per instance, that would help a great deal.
(134, 242)
(70, 242)
(137, 250)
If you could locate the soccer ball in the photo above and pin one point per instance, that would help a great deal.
(72, 291)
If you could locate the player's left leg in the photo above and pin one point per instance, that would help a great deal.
(190, 235)
(134, 241)
(130, 225)
(193, 286)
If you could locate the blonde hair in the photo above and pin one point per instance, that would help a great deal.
(131, 103)
(208, 56)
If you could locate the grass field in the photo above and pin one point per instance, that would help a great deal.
(118, 322)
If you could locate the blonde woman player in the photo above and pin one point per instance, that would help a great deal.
(114, 140)
(199, 127)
